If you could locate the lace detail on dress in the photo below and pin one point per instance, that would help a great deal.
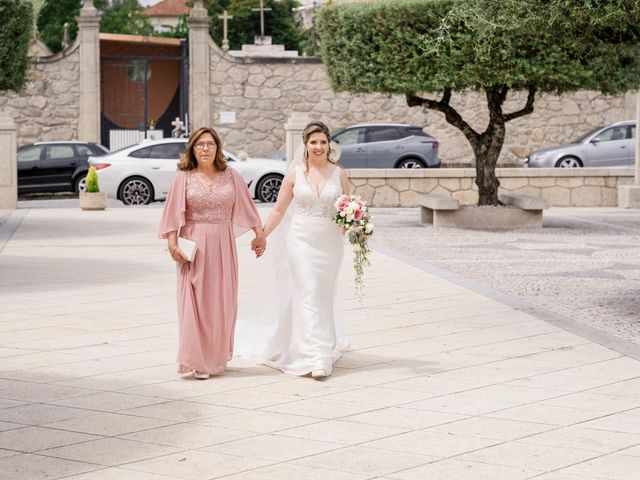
(204, 206)
(307, 202)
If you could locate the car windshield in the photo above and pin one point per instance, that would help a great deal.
(588, 134)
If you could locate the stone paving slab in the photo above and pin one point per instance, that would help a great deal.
(584, 265)
(441, 382)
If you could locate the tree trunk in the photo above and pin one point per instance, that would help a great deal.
(486, 145)
(487, 149)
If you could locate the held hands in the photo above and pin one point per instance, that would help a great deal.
(259, 245)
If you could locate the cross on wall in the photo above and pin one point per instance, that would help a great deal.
(225, 17)
(262, 9)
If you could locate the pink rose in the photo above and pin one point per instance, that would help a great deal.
(343, 204)
(358, 214)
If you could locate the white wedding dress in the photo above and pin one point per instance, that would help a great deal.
(301, 334)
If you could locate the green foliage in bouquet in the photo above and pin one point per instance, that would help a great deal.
(92, 180)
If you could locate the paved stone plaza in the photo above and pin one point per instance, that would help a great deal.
(442, 380)
(584, 264)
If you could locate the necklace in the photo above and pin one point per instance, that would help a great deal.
(207, 181)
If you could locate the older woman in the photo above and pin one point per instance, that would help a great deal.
(209, 203)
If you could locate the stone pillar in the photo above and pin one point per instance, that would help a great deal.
(629, 195)
(8, 167)
(200, 114)
(293, 132)
(89, 37)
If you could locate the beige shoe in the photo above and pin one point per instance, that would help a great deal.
(200, 375)
(318, 374)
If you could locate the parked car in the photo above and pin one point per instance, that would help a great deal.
(46, 167)
(382, 146)
(140, 174)
(389, 145)
(609, 146)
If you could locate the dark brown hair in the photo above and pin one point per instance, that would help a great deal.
(188, 160)
(310, 129)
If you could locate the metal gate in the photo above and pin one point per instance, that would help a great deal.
(142, 91)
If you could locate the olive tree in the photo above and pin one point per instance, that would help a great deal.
(428, 50)
(15, 32)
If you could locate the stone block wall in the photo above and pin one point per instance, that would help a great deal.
(580, 187)
(263, 93)
(49, 106)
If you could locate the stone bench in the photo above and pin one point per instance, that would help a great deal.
(520, 211)
(525, 202)
(431, 203)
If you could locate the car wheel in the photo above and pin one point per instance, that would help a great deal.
(568, 162)
(135, 191)
(268, 188)
(410, 163)
(80, 183)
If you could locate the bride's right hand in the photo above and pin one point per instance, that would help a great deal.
(258, 246)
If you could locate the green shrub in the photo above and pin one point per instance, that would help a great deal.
(51, 19)
(92, 180)
(15, 32)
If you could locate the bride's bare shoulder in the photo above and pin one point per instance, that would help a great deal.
(290, 177)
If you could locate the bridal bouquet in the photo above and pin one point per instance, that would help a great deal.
(352, 215)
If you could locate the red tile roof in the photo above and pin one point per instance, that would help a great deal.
(168, 8)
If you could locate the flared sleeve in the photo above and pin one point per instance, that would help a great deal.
(173, 214)
(245, 215)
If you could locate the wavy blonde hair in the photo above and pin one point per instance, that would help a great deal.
(188, 160)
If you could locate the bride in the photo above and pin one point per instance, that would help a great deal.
(304, 337)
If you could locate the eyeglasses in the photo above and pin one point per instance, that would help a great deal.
(209, 145)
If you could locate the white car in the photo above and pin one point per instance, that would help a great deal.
(140, 174)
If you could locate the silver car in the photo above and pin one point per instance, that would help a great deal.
(389, 145)
(609, 146)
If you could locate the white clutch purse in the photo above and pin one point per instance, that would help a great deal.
(188, 248)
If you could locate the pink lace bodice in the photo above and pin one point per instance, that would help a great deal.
(204, 206)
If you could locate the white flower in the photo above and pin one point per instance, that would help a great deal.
(343, 213)
(368, 229)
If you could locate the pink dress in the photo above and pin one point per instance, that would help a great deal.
(208, 286)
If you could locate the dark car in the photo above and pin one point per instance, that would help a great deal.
(46, 167)
(389, 145)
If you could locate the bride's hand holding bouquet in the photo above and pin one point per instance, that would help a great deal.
(352, 215)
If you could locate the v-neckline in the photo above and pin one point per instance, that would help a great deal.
(210, 188)
(318, 192)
